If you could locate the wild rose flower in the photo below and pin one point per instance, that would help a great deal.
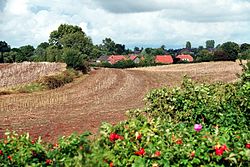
(224, 147)
(114, 136)
(138, 136)
(10, 158)
(111, 164)
(157, 153)
(48, 161)
(179, 141)
(197, 127)
(219, 152)
(192, 154)
(248, 145)
(140, 152)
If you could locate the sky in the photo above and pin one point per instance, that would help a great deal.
(143, 23)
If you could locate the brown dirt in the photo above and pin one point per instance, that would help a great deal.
(102, 96)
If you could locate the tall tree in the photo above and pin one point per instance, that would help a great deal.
(67, 38)
(231, 49)
(63, 30)
(188, 45)
(108, 46)
(26, 53)
(4, 47)
(244, 47)
(43, 45)
(210, 44)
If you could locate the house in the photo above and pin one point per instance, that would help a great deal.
(102, 59)
(164, 59)
(115, 58)
(134, 58)
(184, 57)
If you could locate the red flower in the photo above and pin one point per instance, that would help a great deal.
(10, 158)
(114, 136)
(140, 152)
(111, 164)
(1, 152)
(33, 142)
(219, 152)
(248, 145)
(179, 141)
(48, 161)
(138, 137)
(56, 145)
(224, 147)
(192, 154)
(157, 153)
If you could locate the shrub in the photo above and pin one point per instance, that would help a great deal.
(56, 81)
(21, 150)
(215, 104)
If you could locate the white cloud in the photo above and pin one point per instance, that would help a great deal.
(148, 22)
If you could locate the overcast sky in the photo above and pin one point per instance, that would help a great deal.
(133, 23)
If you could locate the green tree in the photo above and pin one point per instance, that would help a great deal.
(204, 55)
(231, 50)
(120, 49)
(43, 45)
(75, 59)
(54, 54)
(24, 53)
(67, 38)
(108, 46)
(188, 45)
(14, 53)
(244, 47)
(63, 30)
(40, 53)
(4, 47)
(220, 55)
(210, 44)
(245, 55)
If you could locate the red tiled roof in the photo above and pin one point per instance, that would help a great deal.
(164, 59)
(115, 58)
(185, 57)
(132, 57)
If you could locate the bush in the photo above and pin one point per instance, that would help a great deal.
(21, 150)
(147, 141)
(215, 104)
(56, 81)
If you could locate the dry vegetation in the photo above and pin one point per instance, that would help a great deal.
(104, 95)
(20, 73)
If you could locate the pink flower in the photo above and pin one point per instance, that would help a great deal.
(197, 127)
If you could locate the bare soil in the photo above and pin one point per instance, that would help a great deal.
(102, 96)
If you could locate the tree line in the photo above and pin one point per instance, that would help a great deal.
(71, 45)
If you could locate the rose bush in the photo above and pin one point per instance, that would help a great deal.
(195, 125)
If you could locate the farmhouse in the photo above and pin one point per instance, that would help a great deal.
(134, 58)
(183, 57)
(102, 59)
(165, 59)
(115, 58)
